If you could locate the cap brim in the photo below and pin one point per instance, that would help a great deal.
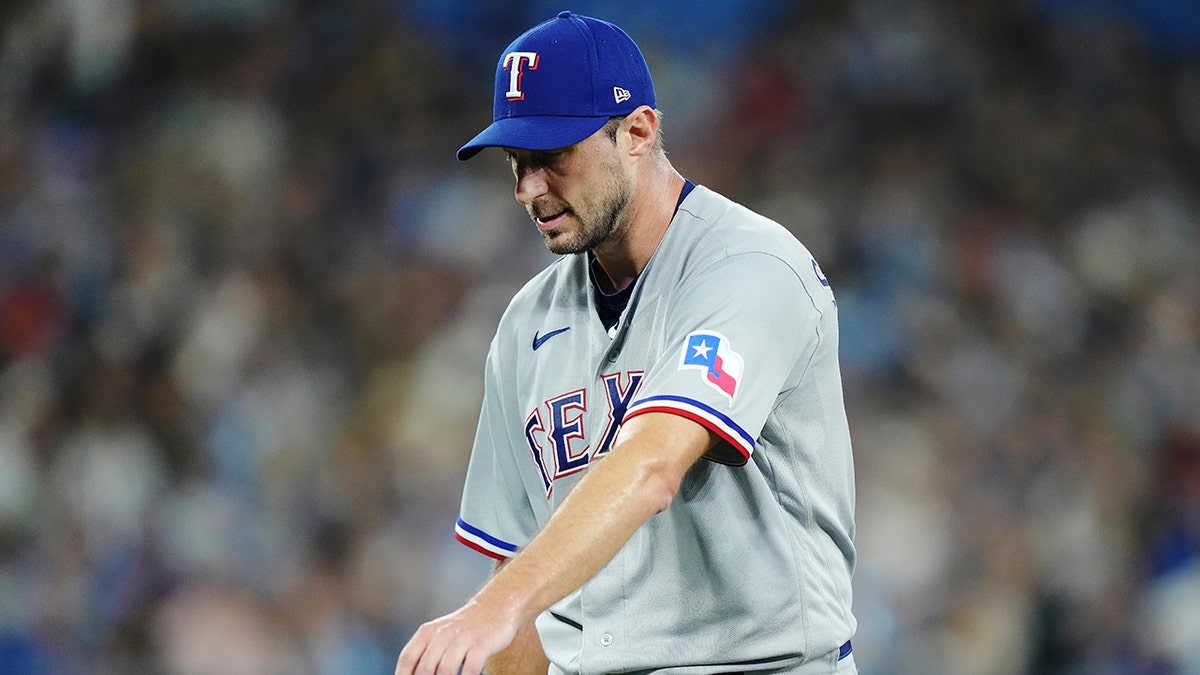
(533, 133)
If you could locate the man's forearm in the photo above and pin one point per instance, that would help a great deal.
(618, 495)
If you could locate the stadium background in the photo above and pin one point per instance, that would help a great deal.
(245, 293)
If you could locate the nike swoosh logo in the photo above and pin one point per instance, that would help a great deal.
(539, 341)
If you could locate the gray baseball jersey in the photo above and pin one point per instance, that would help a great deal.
(733, 325)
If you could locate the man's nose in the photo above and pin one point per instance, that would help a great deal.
(531, 184)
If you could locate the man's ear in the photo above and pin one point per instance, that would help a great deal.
(642, 128)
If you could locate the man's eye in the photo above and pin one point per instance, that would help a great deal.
(537, 159)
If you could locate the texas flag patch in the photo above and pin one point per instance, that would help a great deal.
(711, 352)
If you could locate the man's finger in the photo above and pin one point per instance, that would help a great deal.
(474, 662)
(452, 661)
(411, 655)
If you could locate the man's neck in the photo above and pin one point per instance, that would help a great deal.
(622, 259)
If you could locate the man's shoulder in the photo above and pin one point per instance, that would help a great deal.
(708, 204)
(724, 228)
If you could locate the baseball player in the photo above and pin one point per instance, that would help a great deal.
(662, 464)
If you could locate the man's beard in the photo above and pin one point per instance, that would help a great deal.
(598, 223)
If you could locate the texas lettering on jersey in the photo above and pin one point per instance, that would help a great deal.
(555, 431)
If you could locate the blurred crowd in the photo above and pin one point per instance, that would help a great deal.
(246, 291)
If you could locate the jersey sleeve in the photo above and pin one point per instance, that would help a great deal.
(737, 334)
(495, 518)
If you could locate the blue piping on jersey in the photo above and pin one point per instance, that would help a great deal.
(708, 409)
(688, 186)
(498, 543)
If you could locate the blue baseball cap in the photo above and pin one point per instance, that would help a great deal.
(562, 80)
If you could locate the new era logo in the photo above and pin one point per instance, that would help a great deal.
(621, 94)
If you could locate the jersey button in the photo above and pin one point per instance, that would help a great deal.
(606, 640)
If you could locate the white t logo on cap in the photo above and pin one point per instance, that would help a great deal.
(513, 62)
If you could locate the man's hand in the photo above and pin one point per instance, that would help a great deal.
(459, 642)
